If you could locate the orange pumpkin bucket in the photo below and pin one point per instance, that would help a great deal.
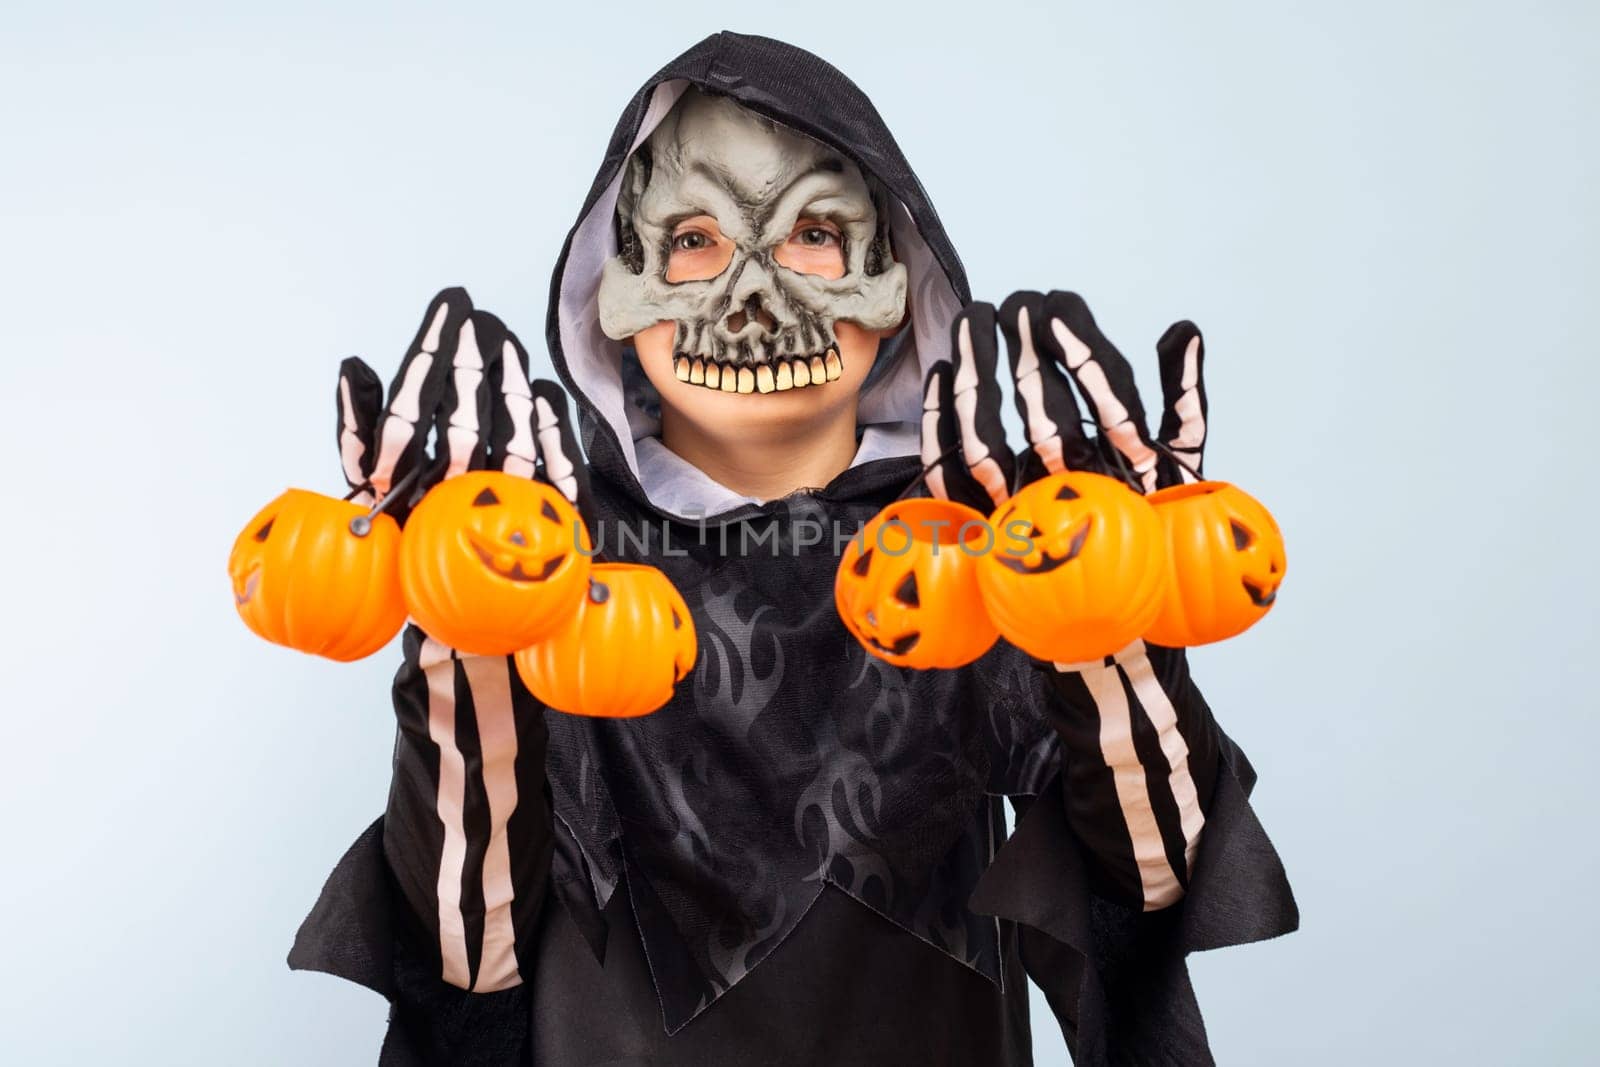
(1227, 557)
(492, 562)
(303, 577)
(623, 650)
(1079, 567)
(907, 585)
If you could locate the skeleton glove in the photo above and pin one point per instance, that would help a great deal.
(1141, 745)
(1053, 344)
(464, 381)
(467, 829)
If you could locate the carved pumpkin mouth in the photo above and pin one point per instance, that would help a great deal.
(1048, 562)
(901, 645)
(246, 589)
(516, 572)
(1257, 597)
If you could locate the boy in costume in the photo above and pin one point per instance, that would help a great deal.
(802, 857)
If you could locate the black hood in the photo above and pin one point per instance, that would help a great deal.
(801, 91)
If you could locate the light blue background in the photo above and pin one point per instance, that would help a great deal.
(1384, 216)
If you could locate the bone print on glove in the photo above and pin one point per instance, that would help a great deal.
(1140, 743)
(465, 382)
(1051, 340)
(467, 828)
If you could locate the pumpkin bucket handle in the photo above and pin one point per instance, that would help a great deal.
(1124, 472)
(361, 525)
(1171, 454)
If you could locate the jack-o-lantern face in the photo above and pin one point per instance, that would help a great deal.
(1078, 567)
(1045, 550)
(627, 644)
(304, 579)
(491, 562)
(1227, 563)
(907, 585)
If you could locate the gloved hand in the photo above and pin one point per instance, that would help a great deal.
(467, 830)
(1051, 340)
(1141, 746)
(464, 381)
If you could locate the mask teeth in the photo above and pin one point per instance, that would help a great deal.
(833, 365)
(776, 374)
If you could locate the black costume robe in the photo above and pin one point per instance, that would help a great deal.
(801, 858)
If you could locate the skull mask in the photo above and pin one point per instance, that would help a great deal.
(757, 326)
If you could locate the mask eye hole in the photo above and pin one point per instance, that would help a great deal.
(907, 591)
(548, 511)
(862, 565)
(677, 623)
(485, 499)
(266, 529)
(1242, 537)
(1066, 492)
(697, 250)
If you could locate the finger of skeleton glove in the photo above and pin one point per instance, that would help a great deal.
(511, 443)
(976, 399)
(558, 446)
(462, 419)
(417, 389)
(1105, 379)
(941, 441)
(1182, 354)
(1051, 419)
(360, 404)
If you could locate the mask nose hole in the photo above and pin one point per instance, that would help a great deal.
(752, 310)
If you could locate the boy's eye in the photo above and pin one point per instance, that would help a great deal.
(692, 241)
(817, 237)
